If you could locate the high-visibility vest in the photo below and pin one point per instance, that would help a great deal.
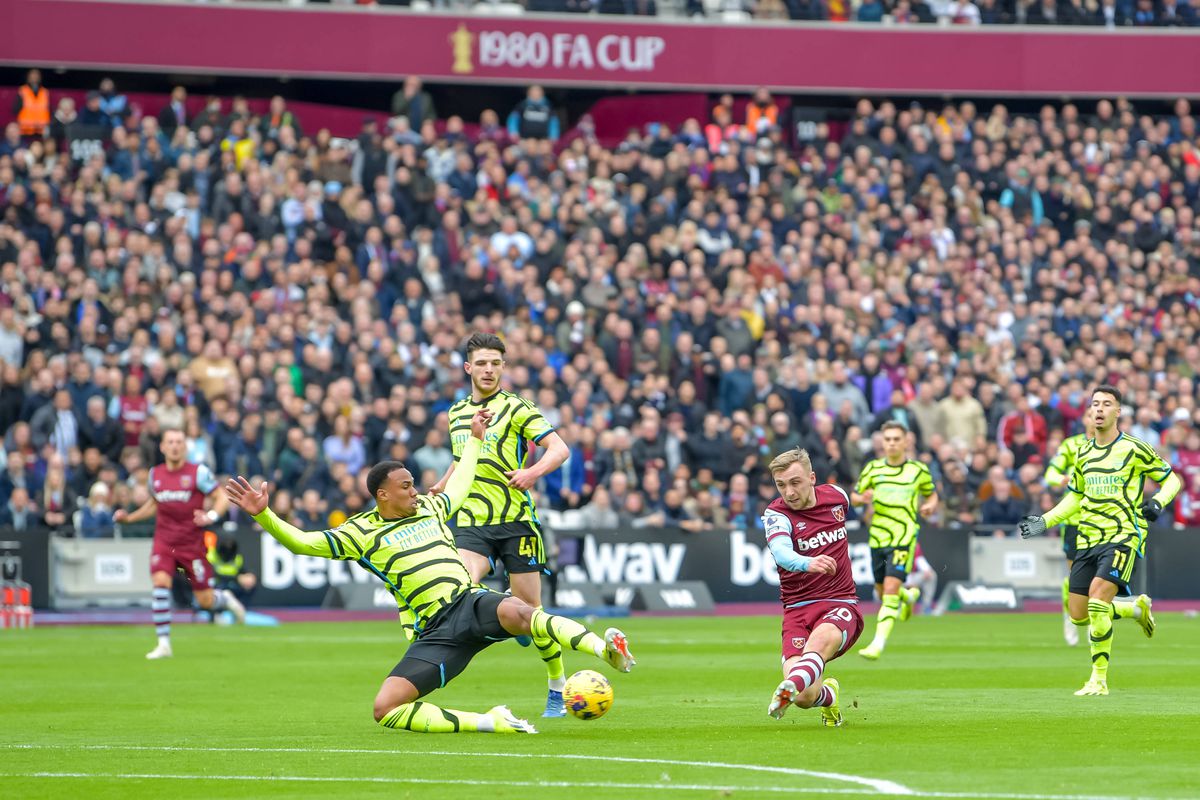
(34, 116)
(223, 568)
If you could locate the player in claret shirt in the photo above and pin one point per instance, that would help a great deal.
(177, 493)
(806, 531)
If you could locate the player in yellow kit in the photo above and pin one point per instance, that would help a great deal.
(405, 541)
(1106, 494)
(497, 525)
(898, 489)
(1058, 476)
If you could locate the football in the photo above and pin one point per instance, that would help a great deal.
(588, 694)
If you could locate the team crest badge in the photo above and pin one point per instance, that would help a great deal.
(798, 642)
(185, 481)
(839, 513)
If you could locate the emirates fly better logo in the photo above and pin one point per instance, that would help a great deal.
(537, 50)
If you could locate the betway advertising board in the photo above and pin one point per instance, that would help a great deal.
(735, 565)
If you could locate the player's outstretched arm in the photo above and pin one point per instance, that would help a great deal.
(440, 486)
(1034, 525)
(459, 485)
(254, 502)
(1066, 508)
(147, 510)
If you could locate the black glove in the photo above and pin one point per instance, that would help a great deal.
(1151, 509)
(1031, 526)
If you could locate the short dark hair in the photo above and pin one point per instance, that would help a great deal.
(1108, 389)
(379, 473)
(893, 425)
(483, 341)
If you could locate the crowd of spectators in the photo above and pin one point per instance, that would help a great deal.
(681, 307)
(1109, 14)
(1096, 13)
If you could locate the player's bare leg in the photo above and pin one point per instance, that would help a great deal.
(1070, 625)
(1076, 612)
(478, 565)
(161, 609)
(215, 601)
(528, 587)
(803, 685)
(397, 706)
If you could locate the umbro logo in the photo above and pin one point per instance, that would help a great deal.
(800, 526)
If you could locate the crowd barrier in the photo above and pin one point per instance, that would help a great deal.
(635, 568)
(605, 52)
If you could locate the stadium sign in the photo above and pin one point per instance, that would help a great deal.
(555, 51)
(736, 566)
(962, 596)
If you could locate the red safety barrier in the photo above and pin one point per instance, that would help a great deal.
(15, 608)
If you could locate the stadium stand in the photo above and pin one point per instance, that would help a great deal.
(1094, 13)
(682, 304)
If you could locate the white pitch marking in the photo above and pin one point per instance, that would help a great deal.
(548, 784)
(879, 786)
(441, 782)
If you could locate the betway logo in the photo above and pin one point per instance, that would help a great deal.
(638, 562)
(750, 563)
(987, 596)
(821, 539)
(180, 496)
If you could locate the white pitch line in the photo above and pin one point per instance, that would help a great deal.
(686, 787)
(689, 787)
(879, 786)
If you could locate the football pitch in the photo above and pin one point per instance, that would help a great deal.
(959, 707)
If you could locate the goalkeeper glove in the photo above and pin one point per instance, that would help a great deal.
(1031, 526)
(1151, 509)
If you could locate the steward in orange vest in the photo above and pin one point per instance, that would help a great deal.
(32, 105)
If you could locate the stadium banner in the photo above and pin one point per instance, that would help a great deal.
(736, 565)
(381, 43)
(86, 573)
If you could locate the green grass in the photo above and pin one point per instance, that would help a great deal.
(965, 705)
